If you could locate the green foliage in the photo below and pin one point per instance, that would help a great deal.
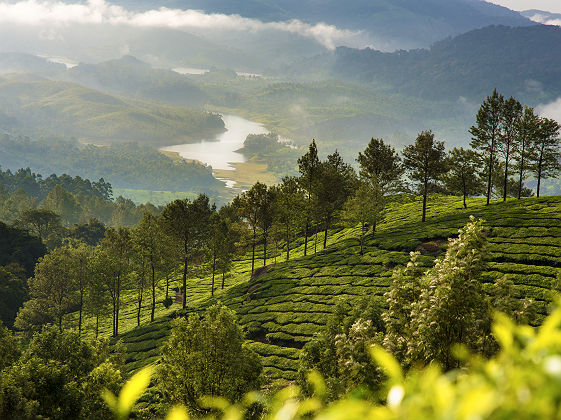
(207, 357)
(13, 292)
(58, 376)
(381, 165)
(463, 178)
(425, 163)
(340, 352)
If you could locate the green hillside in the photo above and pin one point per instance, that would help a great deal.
(38, 107)
(283, 309)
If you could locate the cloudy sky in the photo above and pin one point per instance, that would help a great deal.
(548, 5)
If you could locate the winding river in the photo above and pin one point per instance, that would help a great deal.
(220, 152)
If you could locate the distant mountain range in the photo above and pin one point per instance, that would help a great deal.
(390, 23)
(523, 61)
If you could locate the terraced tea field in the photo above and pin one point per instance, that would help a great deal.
(284, 308)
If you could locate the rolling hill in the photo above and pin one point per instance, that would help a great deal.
(35, 106)
(284, 308)
(523, 62)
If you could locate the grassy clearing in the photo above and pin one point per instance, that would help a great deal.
(282, 310)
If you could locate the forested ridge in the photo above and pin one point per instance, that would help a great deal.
(410, 254)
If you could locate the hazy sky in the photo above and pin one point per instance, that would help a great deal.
(548, 5)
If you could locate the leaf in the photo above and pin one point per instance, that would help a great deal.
(387, 362)
(178, 412)
(133, 390)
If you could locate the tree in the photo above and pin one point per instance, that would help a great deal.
(381, 165)
(462, 178)
(207, 357)
(336, 183)
(487, 134)
(230, 235)
(510, 117)
(365, 206)
(290, 209)
(308, 165)
(91, 233)
(13, 292)
(187, 223)
(546, 158)
(52, 287)
(148, 240)
(526, 131)
(254, 205)
(113, 264)
(425, 162)
(452, 307)
(405, 289)
(80, 272)
(64, 203)
(41, 222)
(59, 376)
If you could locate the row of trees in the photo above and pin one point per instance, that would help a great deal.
(82, 278)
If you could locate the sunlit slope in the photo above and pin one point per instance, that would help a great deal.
(41, 107)
(283, 309)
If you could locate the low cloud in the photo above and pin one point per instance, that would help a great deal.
(551, 110)
(49, 12)
(546, 19)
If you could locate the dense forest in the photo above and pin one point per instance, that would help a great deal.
(72, 285)
(124, 166)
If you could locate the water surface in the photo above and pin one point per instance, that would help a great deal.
(220, 152)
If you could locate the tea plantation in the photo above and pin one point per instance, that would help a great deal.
(285, 307)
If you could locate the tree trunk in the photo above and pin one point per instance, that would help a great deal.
(213, 271)
(521, 173)
(374, 227)
(306, 237)
(361, 238)
(326, 229)
(60, 323)
(287, 242)
(425, 202)
(153, 309)
(184, 300)
(223, 275)
(540, 164)
(316, 239)
(140, 296)
(167, 286)
(253, 252)
(506, 170)
(114, 315)
(117, 308)
(490, 170)
(96, 325)
(264, 249)
(80, 311)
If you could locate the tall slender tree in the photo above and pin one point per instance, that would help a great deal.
(337, 181)
(252, 205)
(291, 209)
(115, 262)
(547, 154)
(462, 178)
(308, 166)
(149, 242)
(187, 223)
(487, 133)
(525, 145)
(510, 117)
(425, 162)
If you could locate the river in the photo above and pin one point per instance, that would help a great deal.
(220, 152)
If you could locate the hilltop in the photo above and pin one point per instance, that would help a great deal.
(284, 308)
